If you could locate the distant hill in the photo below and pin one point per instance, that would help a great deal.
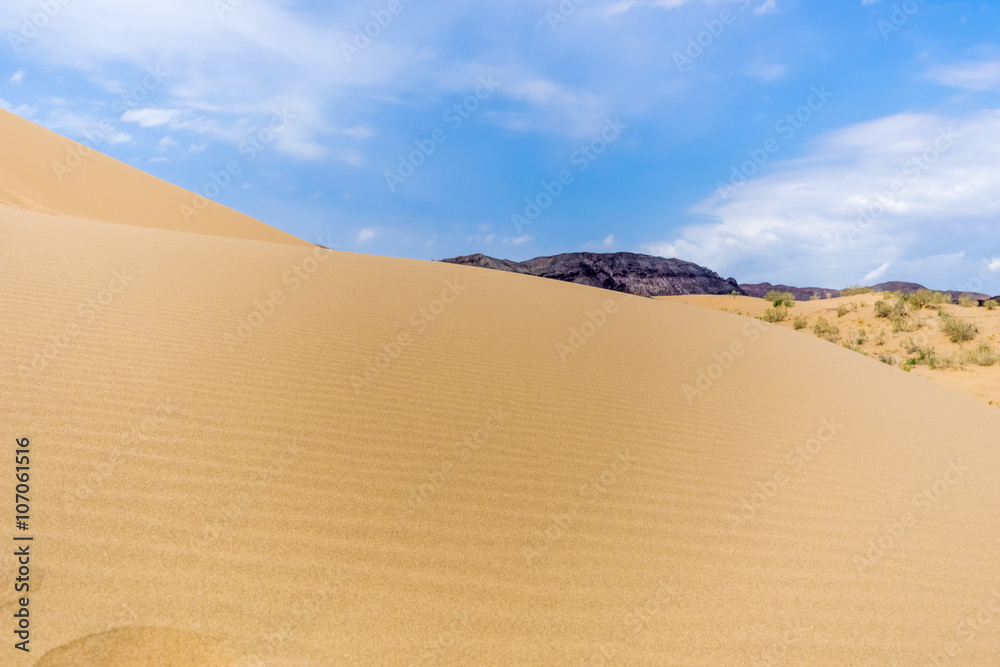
(631, 273)
(646, 275)
(800, 293)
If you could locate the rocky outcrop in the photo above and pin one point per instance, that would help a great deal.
(642, 275)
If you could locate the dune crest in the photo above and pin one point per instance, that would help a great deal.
(42, 171)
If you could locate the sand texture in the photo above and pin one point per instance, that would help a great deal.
(399, 462)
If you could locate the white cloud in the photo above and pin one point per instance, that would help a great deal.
(608, 240)
(366, 235)
(994, 265)
(519, 240)
(150, 117)
(18, 77)
(166, 143)
(975, 76)
(617, 8)
(875, 274)
(159, 159)
(768, 7)
(119, 138)
(767, 72)
(197, 148)
(22, 110)
(832, 213)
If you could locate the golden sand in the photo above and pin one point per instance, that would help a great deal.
(285, 455)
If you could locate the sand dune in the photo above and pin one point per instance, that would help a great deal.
(253, 452)
(45, 172)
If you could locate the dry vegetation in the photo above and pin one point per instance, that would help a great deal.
(900, 329)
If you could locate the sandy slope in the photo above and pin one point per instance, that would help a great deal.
(43, 171)
(255, 498)
(878, 340)
(507, 485)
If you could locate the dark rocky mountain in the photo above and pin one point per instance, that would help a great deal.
(642, 275)
(800, 293)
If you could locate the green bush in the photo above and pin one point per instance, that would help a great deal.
(780, 298)
(841, 310)
(854, 290)
(958, 331)
(990, 304)
(799, 323)
(887, 358)
(967, 301)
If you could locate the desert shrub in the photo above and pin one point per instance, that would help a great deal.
(854, 348)
(860, 336)
(922, 355)
(841, 310)
(799, 323)
(902, 323)
(990, 304)
(854, 290)
(984, 355)
(882, 309)
(815, 297)
(887, 358)
(966, 301)
(780, 298)
(958, 331)
(879, 338)
(825, 330)
(776, 314)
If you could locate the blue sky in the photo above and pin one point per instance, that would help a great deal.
(819, 143)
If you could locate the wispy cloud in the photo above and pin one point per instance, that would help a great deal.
(983, 75)
(18, 77)
(875, 274)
